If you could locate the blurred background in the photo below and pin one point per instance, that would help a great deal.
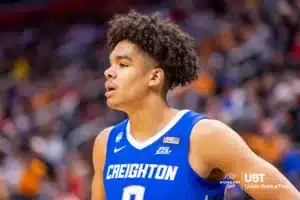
(52, 105)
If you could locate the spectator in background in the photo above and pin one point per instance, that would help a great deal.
(21, 68)
(3, 191)
(295, 51)
(31, 176)
(268, 142)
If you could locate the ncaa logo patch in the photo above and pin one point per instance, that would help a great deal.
(119, 137)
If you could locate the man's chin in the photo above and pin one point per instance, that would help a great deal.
(113, 104)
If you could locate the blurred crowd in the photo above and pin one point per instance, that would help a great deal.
(52, 102)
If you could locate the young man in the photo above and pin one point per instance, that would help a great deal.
(162, 153)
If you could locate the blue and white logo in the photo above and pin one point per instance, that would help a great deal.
(163, 150)
(119, 137)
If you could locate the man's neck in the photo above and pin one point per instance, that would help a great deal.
(147, 120)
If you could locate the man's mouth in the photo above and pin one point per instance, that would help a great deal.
(109, 88)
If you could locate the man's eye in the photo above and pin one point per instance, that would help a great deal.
(123, 65)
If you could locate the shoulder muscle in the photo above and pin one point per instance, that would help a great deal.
(99, 154)
(99, 150)
(216, 140)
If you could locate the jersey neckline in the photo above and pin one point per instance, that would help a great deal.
(141, 145)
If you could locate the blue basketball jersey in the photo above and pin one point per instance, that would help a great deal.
(158, 168)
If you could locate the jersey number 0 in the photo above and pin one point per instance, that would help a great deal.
(133, 190)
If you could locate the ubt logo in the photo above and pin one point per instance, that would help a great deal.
(254, 177)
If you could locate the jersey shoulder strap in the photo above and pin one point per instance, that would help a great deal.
(116, 135)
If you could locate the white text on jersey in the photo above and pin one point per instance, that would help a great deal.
(148, 171)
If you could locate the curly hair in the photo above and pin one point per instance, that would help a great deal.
(171, 47)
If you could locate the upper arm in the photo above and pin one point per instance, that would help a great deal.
(99, 154)
(223, 148)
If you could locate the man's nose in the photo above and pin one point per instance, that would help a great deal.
(110, 73)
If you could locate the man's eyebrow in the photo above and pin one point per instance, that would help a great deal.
(119, 57)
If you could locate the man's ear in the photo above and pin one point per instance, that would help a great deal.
(156, 77)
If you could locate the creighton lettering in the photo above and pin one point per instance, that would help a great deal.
(147, 171)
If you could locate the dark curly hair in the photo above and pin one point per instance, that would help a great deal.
(174, 49)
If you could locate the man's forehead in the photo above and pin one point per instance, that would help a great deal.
(125, 50)
(130, 51)
(125, 47)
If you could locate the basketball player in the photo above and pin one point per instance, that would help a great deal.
(161, 153)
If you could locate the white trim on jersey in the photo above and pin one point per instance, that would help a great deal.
(141, 145)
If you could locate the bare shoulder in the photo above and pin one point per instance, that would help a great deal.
(213, 140)
(102, 137)
(99, 155)
(99, 150)
(208, 130)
